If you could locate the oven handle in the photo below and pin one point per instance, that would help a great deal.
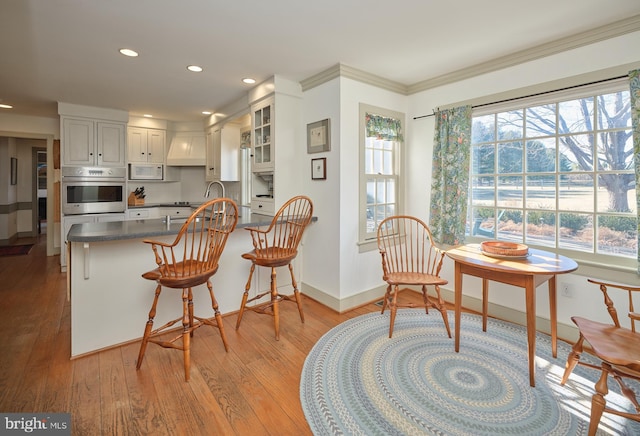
(71, 179)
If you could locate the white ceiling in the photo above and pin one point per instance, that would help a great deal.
(67, 50)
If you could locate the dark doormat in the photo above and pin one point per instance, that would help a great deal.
(15, 250)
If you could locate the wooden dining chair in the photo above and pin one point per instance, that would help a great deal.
(617, 347)
(274, 247)
(190, 260)
(410, 258)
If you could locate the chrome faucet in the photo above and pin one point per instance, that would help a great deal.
(214, 182)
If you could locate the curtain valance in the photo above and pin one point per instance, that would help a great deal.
(389, 129)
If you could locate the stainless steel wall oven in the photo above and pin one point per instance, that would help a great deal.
(93, 190)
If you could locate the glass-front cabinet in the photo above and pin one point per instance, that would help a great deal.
(276, 123)
(263, 136)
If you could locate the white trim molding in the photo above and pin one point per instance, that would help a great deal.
(612, 30)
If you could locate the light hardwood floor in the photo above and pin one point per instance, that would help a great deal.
(252, 389)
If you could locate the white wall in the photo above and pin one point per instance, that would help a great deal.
(8, 192)
(617, 55)
(24, 154)
(321, 262)
(333, 263)
(23, 126)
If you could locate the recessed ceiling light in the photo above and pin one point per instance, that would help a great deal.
(148, 116)
(249, 81)
(129, 52)
(194, 68)
(206, 113)
(6, 106)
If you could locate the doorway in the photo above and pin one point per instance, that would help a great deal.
(40, 184)
(53, 224)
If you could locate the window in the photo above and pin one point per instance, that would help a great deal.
(380, 169)
(557, 174)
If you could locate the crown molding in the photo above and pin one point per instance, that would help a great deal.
(320, 78)
(345, 71)
(591, 36)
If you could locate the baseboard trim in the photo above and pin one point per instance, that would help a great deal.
(343, 304)
(9, 241)
(566, 332)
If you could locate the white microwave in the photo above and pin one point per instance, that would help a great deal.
(146, 171)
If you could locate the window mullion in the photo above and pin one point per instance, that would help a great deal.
(582, 138)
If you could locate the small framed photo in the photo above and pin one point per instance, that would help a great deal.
(319, 168)
(319, 136)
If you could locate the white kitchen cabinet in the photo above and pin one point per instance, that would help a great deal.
(146, 145)
(89, 142)
(263, 206)
(142, 213)
(69, 220)
(176, 213)
(277, 138)
(212, 169)
(223, 150)
(262, 121)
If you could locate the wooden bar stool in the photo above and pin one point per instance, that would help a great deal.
(190, 261)
(274, 247)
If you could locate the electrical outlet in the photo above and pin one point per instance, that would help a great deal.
(566, 290)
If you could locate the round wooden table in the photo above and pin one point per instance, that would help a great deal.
(527, 272)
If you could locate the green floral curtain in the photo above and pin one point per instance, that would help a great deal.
(634, 86)
(380, 127)
(450, 181)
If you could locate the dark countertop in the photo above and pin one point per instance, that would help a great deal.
(149, 205)
(149, 228)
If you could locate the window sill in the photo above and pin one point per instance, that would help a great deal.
(365, 246)
(607, 271)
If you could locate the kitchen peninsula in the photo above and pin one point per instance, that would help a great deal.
(110, 301)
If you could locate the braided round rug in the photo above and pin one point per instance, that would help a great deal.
(357, 381)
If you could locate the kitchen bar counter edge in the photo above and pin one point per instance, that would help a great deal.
(149, 228)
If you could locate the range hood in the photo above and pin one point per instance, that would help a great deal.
(187, 149)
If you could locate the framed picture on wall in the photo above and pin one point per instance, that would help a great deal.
(14, 171)
(319, 136)
(319, 168)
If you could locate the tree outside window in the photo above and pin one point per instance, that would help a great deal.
(559, 175)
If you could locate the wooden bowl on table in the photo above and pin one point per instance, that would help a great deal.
(506, 249)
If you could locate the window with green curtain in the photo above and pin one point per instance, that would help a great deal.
(449, 181)
(383, 128)
(380, 169)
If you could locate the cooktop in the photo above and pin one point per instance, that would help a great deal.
(176, 203)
